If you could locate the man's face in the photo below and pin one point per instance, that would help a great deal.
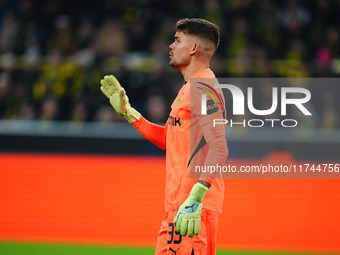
(180, 50)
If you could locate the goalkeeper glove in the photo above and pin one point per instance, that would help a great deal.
(188, 218)
(118, 98)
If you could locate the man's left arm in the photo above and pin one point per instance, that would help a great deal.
(188, 218)
(217, 150)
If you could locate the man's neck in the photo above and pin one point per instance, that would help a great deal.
(192, 70)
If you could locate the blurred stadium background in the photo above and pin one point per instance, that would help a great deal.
(76, 179)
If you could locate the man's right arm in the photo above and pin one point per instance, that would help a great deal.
(112, 89)
(154, 133)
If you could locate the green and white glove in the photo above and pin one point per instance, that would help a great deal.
(188, 218)
(118, 98)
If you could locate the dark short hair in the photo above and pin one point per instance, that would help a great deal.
(200, 28)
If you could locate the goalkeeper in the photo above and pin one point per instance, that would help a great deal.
(192, 204)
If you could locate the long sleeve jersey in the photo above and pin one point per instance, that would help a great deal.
(191, 141)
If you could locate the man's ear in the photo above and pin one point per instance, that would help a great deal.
(194, 48)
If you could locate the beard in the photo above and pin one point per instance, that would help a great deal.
(178, 64)
(173, 64)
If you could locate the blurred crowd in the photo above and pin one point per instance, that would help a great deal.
(53, 53)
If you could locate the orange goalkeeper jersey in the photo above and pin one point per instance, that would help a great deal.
(185, 144)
